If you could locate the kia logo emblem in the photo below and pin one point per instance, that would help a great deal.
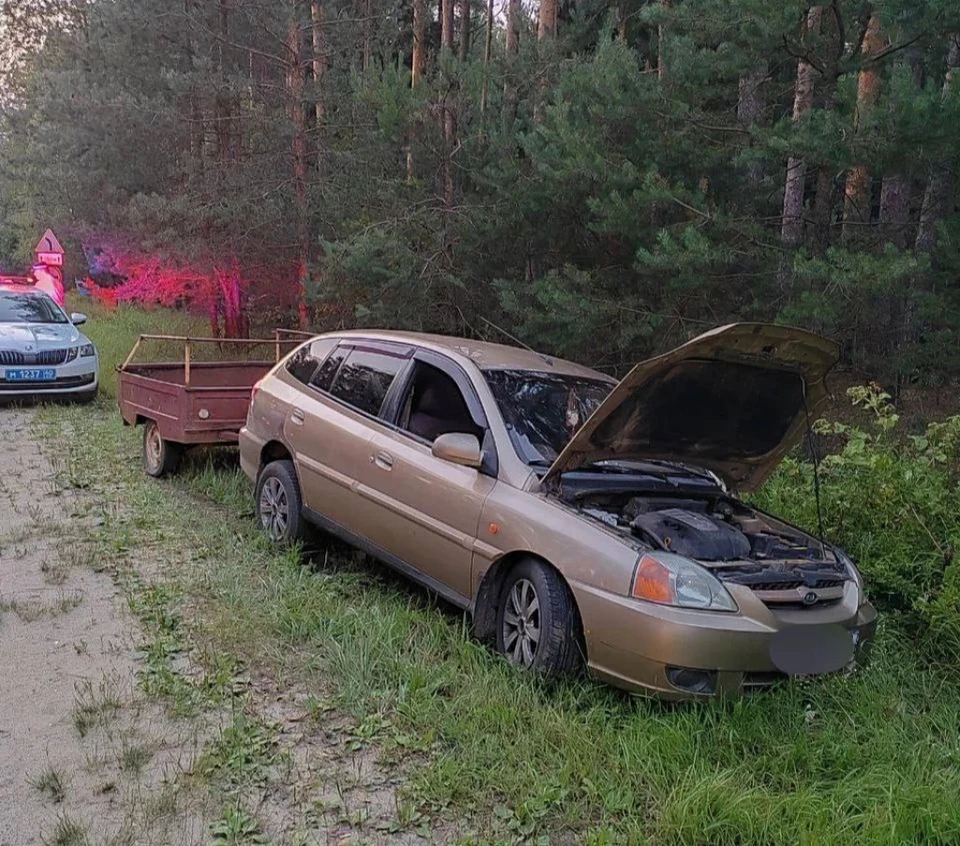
(810, 598)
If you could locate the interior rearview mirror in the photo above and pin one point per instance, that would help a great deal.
(458, 448)
(78, 319)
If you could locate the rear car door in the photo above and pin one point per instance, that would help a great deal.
(329, 428)
(430, 508)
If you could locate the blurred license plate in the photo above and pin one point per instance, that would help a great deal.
(35, 375)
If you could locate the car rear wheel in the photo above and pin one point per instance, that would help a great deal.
(160, 456)
(537, 622)
(279, 504)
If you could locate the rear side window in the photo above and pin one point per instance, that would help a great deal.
(305, 361)
(366, 375)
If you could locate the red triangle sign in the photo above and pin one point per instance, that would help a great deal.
(49, 243)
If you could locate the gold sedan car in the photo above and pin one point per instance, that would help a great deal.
(579, 521)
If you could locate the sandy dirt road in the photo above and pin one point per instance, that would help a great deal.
(87, 758)
(80, 756)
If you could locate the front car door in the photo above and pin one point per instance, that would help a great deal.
(430, 508)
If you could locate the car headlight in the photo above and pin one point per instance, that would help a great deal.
(670, 579)
(87, 350)
(853, 572)
(71, 354)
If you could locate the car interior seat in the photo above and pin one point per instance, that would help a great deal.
(438, 408)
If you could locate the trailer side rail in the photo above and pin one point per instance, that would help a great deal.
(277, 342)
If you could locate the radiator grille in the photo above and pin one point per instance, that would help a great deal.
(47, 358)
(51, 356)
(11, 357)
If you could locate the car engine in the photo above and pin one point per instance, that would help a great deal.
(737, 543)
(703, 537)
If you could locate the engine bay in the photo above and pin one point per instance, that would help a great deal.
(737, 543)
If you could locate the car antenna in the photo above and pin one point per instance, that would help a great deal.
(516, 340)
(816, 472)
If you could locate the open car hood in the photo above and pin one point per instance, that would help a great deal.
(734, 400)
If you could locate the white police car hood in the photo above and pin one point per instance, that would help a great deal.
(31, 337)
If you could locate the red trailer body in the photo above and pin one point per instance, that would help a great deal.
(191, 403)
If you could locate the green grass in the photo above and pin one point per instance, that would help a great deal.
(51, 784)
(67, 832)
(115, 331)
(871, 758)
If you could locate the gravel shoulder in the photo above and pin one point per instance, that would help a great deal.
(83, 757)
(129, 713)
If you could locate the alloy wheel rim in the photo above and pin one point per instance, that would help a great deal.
(274, 511)
(521, 623)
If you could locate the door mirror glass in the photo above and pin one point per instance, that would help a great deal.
(78, 319)
(458, 449)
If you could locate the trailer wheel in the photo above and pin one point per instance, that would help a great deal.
(159, 456)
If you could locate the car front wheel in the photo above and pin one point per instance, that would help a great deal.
(279, 504)
(537, 622)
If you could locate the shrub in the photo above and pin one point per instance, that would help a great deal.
(892, 502)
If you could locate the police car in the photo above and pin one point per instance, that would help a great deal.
(42, 353)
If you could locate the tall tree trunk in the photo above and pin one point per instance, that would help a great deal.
(547, 19)
(296, 84)
(895, 209)
(487, 49)
(222, 109)
(791, 228)
(823, 204)
(625, 9)
(856, 195)
(367, 34)
(513, 47)
(464, 29)
(938, 198)
(418, 64)
(662, 46)
(447, 19)
(827, 195)
(448, 103)
(196, 112)
(750, 108)
(749, 96)
(546, 30)
(319, 34)
(513, 27)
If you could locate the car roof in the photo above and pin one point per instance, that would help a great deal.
(21, 289)
(484, 354)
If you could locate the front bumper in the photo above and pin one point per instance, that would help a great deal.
(640, 646)
(75, 377)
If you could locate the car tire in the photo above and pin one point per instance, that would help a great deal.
(279, 504)
(538, 626)
(160, 456)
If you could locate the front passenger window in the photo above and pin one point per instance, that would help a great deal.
(365, 377)
(435, 406)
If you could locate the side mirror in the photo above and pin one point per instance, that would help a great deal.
(458, 449)
(78, 319)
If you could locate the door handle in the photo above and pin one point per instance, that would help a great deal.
(383, 460)
(296, 417)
